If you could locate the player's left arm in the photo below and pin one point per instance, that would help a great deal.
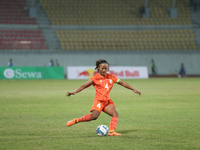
(126, 85)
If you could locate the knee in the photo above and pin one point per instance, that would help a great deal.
(116, 114)
(94, 116)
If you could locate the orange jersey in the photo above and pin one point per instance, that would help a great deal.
(103, 85)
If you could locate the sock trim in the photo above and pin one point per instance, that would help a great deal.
(111, 131)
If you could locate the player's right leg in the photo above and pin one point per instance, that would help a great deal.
(84, 118)
(72, 122)
(95, 112)
(88, 117)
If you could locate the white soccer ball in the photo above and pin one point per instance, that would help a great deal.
(102, 130)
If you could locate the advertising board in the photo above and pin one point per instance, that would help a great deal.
(122, 72)
(31, 73)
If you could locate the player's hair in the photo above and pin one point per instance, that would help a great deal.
(100, 61)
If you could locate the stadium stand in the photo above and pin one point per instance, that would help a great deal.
(22, 39)
(54, 16)
(78, 29)
(158, 9)
(117, 12)
(127, 40)
(12, 12)
(113, 12)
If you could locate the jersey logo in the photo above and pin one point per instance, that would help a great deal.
(110, 81)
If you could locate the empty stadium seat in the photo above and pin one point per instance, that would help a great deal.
(12, 12)
(22, 39)
(127, 40)
(113, 12)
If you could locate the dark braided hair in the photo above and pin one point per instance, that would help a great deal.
(100, 61)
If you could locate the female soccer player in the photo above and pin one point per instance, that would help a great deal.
(103, 83)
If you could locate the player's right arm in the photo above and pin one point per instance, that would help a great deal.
(80, 88)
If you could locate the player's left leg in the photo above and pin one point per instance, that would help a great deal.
(112, 111)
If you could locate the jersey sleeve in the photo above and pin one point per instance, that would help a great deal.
(115, 79)
(93, 78)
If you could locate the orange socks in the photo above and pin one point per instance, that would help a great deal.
(113, 123)
(85, 118)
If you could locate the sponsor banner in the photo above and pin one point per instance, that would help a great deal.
(80, 72)
(122, 72)
(31, 73)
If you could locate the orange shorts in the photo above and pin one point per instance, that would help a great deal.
(101, 105)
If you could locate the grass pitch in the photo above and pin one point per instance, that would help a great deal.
(34, 113)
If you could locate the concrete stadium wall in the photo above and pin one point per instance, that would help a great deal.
(167, 63)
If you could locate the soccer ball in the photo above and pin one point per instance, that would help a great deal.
(102, 130)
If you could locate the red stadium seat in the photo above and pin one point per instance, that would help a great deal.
(22, 39)
(12, 12)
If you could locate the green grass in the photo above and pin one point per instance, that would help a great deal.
(33, 115)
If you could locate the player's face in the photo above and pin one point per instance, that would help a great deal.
(103, 68)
